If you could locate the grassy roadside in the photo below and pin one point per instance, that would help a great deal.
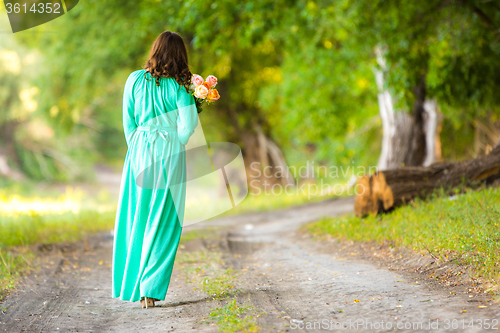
(464, 228)
(50, 218)
(13, 263)
(18, 233)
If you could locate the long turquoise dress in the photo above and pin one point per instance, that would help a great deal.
(158, 122)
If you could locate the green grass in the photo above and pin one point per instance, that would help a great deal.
(25, 188)
(464, 227)
(48, 217)
(17, 233)
(207, 233)
(235, 318)
(52, 228)
(219, 285)
(12, 265)
(204, 269)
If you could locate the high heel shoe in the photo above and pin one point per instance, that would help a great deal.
(147, 302)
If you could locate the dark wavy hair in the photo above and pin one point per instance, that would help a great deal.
(168, 58)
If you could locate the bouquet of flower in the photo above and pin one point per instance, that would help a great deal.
(204, 90)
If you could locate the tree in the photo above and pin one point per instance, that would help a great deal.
(84, 85)
(294, 75)
(442, 50)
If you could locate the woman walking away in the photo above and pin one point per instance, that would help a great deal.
(159, 117)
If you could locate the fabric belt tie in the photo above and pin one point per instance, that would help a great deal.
(155, 131)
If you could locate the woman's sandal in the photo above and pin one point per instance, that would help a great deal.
(148, 302)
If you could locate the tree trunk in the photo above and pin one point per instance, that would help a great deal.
(264, 161)
(486, 135)
(265, 164)
(386, 114)
(7, 172)
(251, 157)
(385, 190)
(433, 123)
(8, 151)
(401, 140)
(410, 140)
(417, 149)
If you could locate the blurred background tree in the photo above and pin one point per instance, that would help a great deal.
(340, 83)
(440, 51)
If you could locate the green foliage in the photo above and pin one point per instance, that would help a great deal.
(86, 64)
(327, 93)
(465, 227)
(454, 43)
(301, 70)
(10, 77)
(459, 136)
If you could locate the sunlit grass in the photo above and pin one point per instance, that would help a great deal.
(52, 228)
(32, 220)
(16, 205)
(26, 221)
(72, 201)
(465, 227)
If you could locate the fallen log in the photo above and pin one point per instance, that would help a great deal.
(385, 190)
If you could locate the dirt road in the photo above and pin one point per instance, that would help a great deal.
(293, 283)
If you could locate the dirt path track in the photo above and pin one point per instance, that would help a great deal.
(295, 281)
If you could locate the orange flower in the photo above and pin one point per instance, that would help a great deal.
(213, 95)
(207, 85)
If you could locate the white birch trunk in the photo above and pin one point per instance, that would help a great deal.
(397, 125)
(386, 114)
(432, 126)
